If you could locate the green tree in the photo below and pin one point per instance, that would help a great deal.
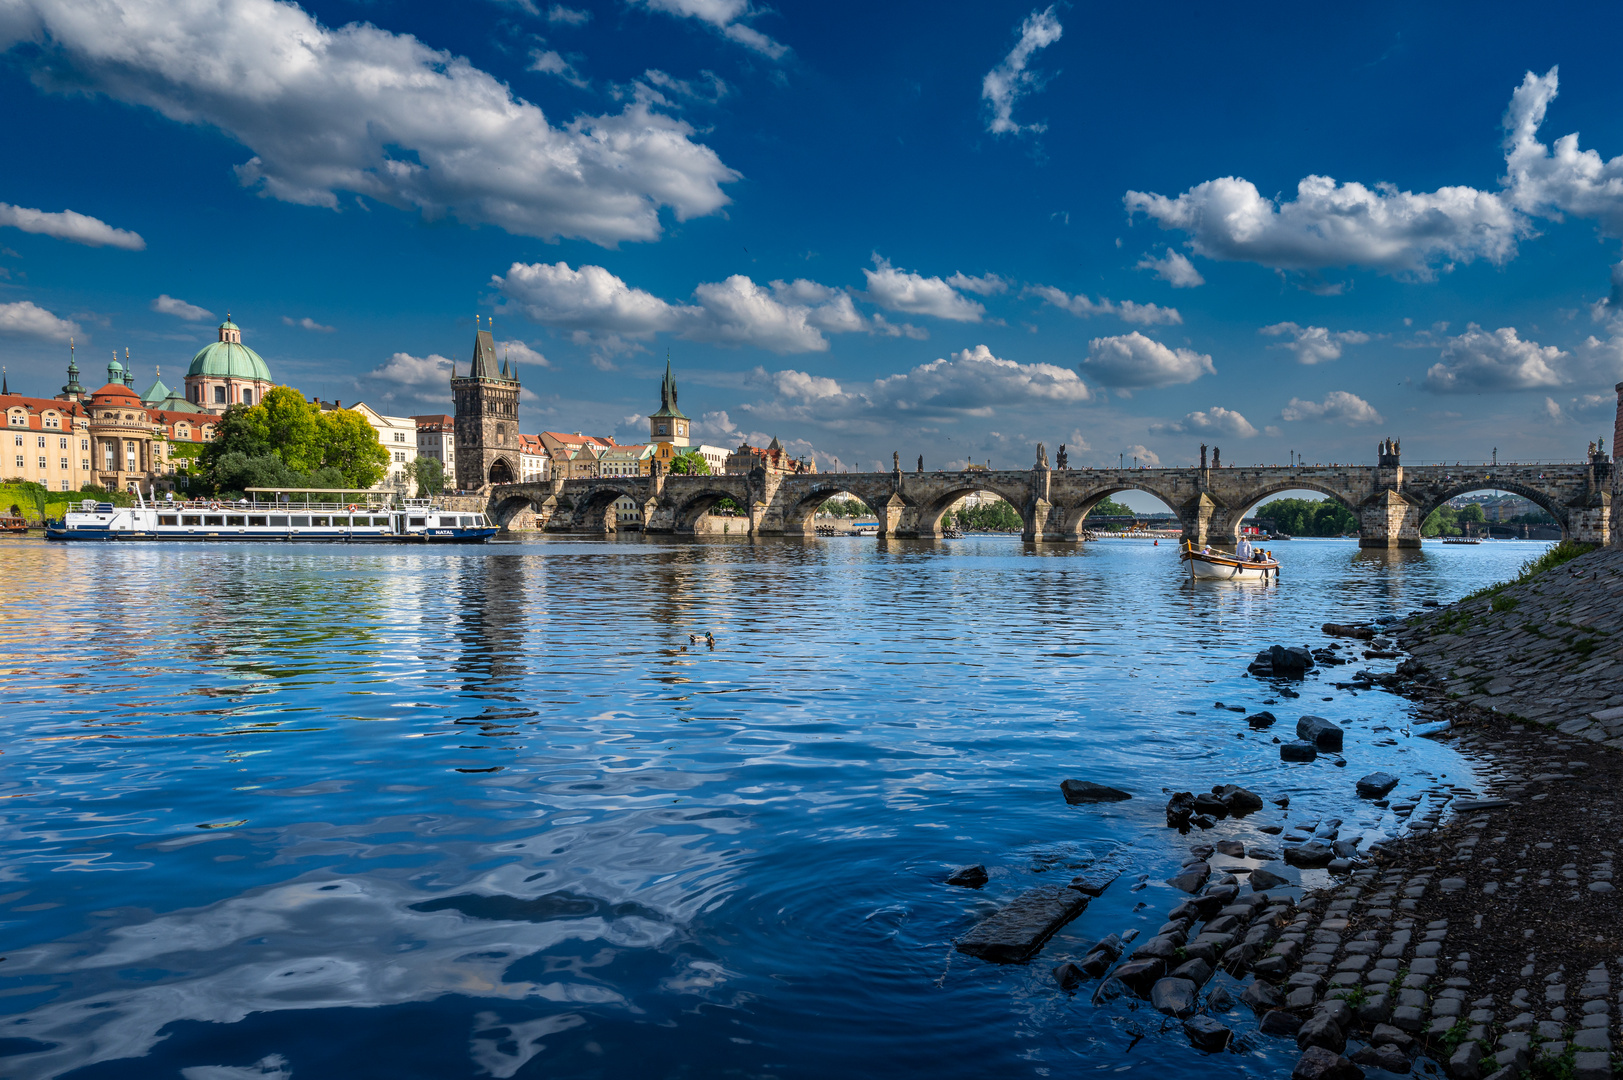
(1308, 517)
(995, 516)
(350, 445)
(1108, 507)
(429, 474)
(846, 508)
(290, 425)
(689, 463)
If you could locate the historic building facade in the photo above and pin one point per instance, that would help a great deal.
(227, 372)
(486, 422)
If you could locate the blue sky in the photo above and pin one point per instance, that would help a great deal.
(948, 230)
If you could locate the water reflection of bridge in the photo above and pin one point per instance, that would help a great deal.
(1390, 500)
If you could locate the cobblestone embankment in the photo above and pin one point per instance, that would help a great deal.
(1489, 936)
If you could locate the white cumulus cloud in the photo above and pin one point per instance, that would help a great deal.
(1314, 344)
(1013, 79)
(1478, 360)
(725, 16)
(567, 16)
(382, 115)
(1338, 406)
(22, 318)
(914, 294)
(785, 317)
(169, 305)
(1144, 454)
(409, 370)
(1564, 180)
(985, 285)
(551, 62)
(1129, 361)
(970, 382)
(520, 353)
(306, 323)
(69, 225)
(1174, 268)
(1214, 421)
(1128, 311)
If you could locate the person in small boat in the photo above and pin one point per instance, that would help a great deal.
(1242, 550)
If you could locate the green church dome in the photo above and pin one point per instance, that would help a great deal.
(229, 357)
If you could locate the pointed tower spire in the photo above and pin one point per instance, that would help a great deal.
(5, 388)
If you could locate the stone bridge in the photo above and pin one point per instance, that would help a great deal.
(1389, 500)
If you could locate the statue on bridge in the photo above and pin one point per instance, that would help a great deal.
(1390, 452)
(1061, 461)
(921, 463)
(1202, 455)
(896, 460)
(1042, 456)
(1215, 462)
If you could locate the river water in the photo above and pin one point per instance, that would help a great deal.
(332, 812)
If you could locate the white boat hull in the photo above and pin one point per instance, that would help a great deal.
(1219, 572)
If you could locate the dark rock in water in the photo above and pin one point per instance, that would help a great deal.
(1362, 633)
(1428, 603)
(1258, 851)
(1203, 821)
(1340, 866)
(1109, 990)
(1192, 878)
(1260, 720)
(1196, 971)
(1238, 800)
(1084, 791)
(1291, 663)
(1376, 785)
(1095, 880)
(1271, 830)
(1207, 1034)
(1175, 997)
(1101, 956)
(1317, 1063)
(1210, 804)
(1322, 1031)
(1232, 848)
(1297, 751)
(1160, 947)
(1179, 809)
(1320, 732)
(1224, 894)
(1346, 849)
(1337, 1010)
(1263, 880)
(1260, 997)
(1189, 909)
(1202, 851)
(1220, 1000)
(970, 877)
(1309, 856)
(1271, 966)
(1280, 1023)
(1019, 930)
(1385, 1056)
(1069, 976)
(1139, 975)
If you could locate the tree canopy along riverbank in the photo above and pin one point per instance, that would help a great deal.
(286, 441)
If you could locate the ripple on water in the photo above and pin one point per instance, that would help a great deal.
(488, 812)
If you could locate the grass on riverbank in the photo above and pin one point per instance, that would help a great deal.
(1555, 555)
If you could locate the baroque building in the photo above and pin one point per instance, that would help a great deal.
(227, 372)
(486, 421)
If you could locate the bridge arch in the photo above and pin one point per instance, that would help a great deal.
(696, 505)
(1243, 506)
(798, 518)
(928, 511)
(594, 508)
(1438, 496)
(505, 507)
(1073, 512)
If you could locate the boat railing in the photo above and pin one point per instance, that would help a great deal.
(234, 506)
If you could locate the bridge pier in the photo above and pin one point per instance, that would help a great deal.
(1591, 524)
(1389, 520)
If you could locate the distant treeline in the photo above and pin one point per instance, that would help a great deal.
(1308, 517)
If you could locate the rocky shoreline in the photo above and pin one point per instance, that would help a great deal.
(1485, 938)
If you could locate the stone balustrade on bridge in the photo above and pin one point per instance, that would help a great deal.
(1389, 499)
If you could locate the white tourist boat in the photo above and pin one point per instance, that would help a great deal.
(1215, 566)
(366, 519)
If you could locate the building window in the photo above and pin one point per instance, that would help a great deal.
(62, 444)
(19, 461)
(84, 444)
(219, 395)
(84, 464)
(247, 397)
(51, 422)
(64, 464)
(41, 464)
(399, 436)
(64, 485)
(110, 455)
(19, 439)
(42, 442)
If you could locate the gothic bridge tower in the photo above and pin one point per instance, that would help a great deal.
(487, 442)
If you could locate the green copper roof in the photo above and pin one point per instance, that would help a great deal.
(176, 403)
(155, 393)
(228, 359)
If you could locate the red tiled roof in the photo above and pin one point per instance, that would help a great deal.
(37, 406)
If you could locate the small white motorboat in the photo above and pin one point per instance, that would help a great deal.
(1216, 566)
